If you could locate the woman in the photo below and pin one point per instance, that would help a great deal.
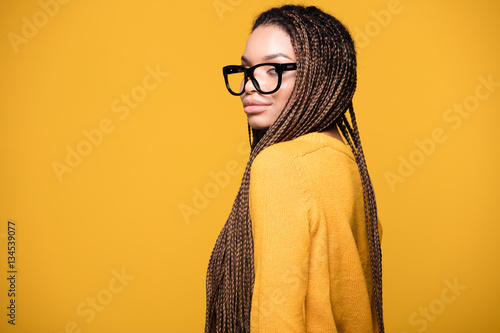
(300, 248)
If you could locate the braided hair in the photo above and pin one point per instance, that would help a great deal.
(322, 97)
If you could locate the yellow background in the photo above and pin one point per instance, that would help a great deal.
(119, 210)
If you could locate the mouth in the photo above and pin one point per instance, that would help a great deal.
(251, 109)
(253, 106)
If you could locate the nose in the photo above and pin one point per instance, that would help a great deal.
(249, 87)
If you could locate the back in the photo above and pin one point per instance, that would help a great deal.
(312, 270)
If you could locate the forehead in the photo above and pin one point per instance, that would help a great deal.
(266, 40)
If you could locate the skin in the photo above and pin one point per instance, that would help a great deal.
(270, 43)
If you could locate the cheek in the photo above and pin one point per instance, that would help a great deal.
(284, 94)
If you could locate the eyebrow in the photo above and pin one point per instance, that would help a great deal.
(268, 57)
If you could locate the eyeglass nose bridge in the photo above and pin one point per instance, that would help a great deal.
(249, 75)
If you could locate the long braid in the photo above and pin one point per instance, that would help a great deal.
(372, 224)
(370, 211)
(324, 87)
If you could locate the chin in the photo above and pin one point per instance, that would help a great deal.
(258, 127)
(258, 124)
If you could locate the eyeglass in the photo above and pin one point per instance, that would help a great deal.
(266, 77)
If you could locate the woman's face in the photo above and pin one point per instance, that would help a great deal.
(267, 44)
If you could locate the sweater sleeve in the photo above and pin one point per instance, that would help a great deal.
(279, 209)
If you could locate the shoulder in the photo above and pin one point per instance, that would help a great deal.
(314, 164)
(282, 154)
(308, 152)
(281, 160)
(277, 163)
(278, 170)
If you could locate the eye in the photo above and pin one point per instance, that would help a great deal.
(272, 71)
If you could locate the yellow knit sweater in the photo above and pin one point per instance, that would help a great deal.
(312, 269)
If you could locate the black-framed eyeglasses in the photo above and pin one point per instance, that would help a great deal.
(266, 77)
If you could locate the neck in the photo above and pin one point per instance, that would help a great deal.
(333, 132)
(258, 134)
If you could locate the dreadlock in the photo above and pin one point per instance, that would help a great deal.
(323, 92)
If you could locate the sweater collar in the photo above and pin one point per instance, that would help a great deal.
(327, 140)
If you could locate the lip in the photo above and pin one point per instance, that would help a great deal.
(251, 106)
